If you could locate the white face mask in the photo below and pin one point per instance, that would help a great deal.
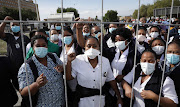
(154, 34)
(141, 48)
(158, 49)
(121, 45)
(92, 53)
(147, 68)
(54, 37)
(141, 38)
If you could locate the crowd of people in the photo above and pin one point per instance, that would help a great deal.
(43, 71)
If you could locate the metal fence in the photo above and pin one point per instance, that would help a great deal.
(102, 24)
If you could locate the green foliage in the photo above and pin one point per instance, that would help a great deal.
(147, 10)
(69, 9)
(14, 13)
(135, 14)
(110, 16)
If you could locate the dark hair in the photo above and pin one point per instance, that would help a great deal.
(158, 27)
(89, 37)
(41, 30)
(175, 41)
(150, 50)
(31, 34)
(158, 38)
(68, 29)
(124, 32)
(143, 28)
(140, 28)
(38, 37)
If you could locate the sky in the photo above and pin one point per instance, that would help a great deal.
(90, 8)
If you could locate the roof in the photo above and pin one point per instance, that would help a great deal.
(59, 15)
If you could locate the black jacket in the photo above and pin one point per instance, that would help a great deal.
(175, 75)
(153, 84)
(8, 93)
(110, 54)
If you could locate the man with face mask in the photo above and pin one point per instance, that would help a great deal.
(14, 44)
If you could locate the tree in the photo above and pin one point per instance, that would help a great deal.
(135, 14)
(150, 10)
(147, 10)
(14, 13)
(69, 9)
(143, 11)
(110, 16)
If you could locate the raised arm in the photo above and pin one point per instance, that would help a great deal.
(2, 26)
(80, 38)
(71, 57)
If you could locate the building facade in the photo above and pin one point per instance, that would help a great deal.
(25, 4)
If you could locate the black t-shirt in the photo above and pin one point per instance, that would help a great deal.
(14, 49)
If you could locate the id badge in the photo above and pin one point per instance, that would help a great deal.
(17, 45)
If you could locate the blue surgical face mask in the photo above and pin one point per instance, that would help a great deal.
(58, 27)
(86, 34)
(67, 40)
(111, 29)
(130, 25)
(47, 32)
(173, 58)
(41, 52)
(15, 29)
(97, 35)
(179, 31)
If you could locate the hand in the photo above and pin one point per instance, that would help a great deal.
(148, 94)
(41, 80)
(71, 57)
(119, 101)
(79, 25)
(128, 92)
(76, 19)
(59, 68)
(8, 18)
(119, 78)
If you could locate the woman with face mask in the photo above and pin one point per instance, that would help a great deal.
(122, 56)
(86, 31)
(158, 46)
(141, 40)
(173, 63)
(54, 36)
(154, 32)
(87, 69)
(148, 82)
(70, 46)
(48, 79)
(108, 44)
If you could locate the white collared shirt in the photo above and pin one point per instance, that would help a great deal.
(118, 65)
(168, 89)
(89, 77)
(72, 83)
(71, 50)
